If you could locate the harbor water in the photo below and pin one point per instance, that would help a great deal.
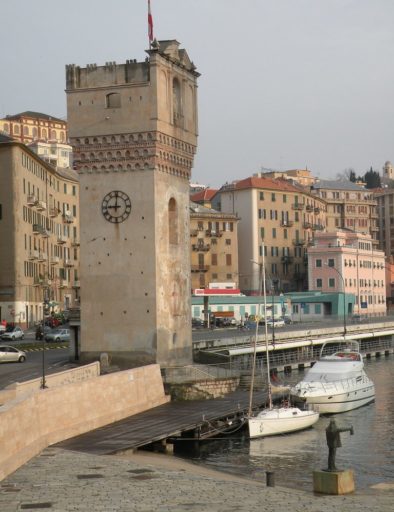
(293, 457)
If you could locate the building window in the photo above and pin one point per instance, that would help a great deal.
(228, 241)
(273, 197)
(284, 198)
(285, 234)
(330, 262)
(273, 232)
(214, 259)
(331, 282)
(172, 222)
(112, 100)
(318, 263)
(262, 233)
(228, 259)
(261, 196)
(319, 283)
(317, 309)
(274, 268)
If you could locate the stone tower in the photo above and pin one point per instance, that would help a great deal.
(133, 128)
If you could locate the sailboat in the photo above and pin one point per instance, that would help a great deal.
(274, 420)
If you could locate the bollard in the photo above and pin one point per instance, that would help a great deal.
(270, 478)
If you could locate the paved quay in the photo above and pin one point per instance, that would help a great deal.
(62, 481)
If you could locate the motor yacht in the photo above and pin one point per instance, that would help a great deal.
(336, 383)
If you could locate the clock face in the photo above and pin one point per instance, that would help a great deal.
(116, 206)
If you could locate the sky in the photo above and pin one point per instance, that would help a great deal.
(285, 84)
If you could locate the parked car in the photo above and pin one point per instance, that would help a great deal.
(275, 322)
(197, 323)
(11, 354)
(2, 328)
(287, 319)
(58, 335)
(13, 333)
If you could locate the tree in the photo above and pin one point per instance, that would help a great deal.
(347, 175)
(372, 179)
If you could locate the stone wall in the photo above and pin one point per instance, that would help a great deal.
(34, 421)
(204, 389)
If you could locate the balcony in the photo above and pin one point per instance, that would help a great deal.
(199, 268)
(45, 233)
(318, 227)
(286, 223)
(77, 284)
(308, 225)
(55, 260)
(299, 241)
(212, 232)
(31, 200)
(374, 228)
(75, 242)
(298, 206)
(33, 255)
(68, 218)
(317, 210)
(62, 239)
(287, 259)
(53, 211)
(63, 283)
(193, 232)
(36, 229)
(41, 206)
(201, 247)
(310, 242)
(309, 208)
(38, 281)
(42, 256)
(68, 263)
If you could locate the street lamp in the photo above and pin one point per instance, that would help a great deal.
(344, 298)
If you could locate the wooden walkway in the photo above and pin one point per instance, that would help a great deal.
(163, 422)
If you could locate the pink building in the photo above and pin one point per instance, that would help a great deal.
(345, 261)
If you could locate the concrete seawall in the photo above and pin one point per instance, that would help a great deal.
(39, 418)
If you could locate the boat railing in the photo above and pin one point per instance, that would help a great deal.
(338, 385)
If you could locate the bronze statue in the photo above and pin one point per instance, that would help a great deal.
(334, 442)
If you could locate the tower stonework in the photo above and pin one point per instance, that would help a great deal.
(133, 128)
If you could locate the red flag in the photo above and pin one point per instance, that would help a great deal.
(150, 24)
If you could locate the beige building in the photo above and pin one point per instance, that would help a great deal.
(30, 126)
(275, 217)
(39, 233)
(214, 247)
(385, 209)
(133, 128)
(349, 206)
(302, 176)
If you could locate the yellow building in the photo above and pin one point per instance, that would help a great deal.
(30, 126)
(275, 217)
(349, 206)
(214, 247)
(39, 233)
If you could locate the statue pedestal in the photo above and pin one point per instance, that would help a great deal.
(333, 482)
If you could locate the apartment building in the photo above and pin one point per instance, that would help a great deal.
(39, 233)
(214, 246)
(302, 176)
(278, 218)
(347, 262)
(385, 211)
(29, 126)
(58, 154)
(349, 206)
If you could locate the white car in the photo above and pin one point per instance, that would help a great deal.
(2, 328)
(13, 333)
(11, 354)
(275, 322)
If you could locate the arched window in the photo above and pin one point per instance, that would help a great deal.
(176, 99)
(6, 128)
(35, 132)
(25, 130)
(16, 128)
(86, 141)
(172, 222)
(112, 100)
(61, 136)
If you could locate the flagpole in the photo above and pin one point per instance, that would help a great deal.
(150, 26)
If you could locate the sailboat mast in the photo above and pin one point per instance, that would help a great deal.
(269, 390)
(255, 344)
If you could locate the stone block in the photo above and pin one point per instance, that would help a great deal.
(333, 482)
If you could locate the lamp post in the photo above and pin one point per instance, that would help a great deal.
(344, 298)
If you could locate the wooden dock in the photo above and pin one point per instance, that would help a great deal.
(199, 419)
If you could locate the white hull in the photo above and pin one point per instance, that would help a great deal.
(280, 421)
(340, 402)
